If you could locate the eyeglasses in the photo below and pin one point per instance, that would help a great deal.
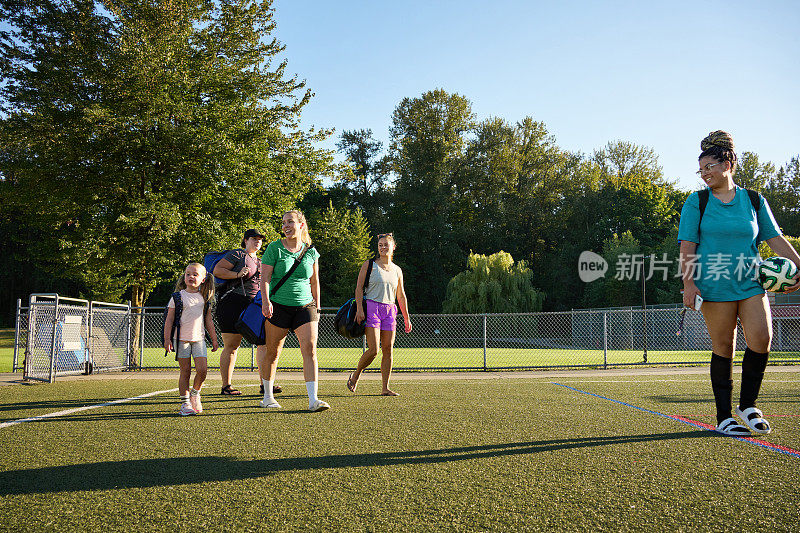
(382, 235)
(706, 168)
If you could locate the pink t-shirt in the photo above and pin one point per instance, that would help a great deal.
(192, 326)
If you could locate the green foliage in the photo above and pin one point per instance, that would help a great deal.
(493, 284)
(365, 174)
(428, 140)
(765, 251)
(621, 285)
(783, 194)
(138, 136)
(342, 238)
(752, 174)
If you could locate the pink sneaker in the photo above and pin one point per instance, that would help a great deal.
(194, 400)
(187, 410)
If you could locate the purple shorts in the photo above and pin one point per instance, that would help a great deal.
(383, 316)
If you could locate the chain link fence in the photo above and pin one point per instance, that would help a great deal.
(110, 347)
(56, 337)
(124, 337)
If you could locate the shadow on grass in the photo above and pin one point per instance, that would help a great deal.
(141, 473)
(763, 397)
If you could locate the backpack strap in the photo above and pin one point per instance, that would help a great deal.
(755, 199)
(175, 331)
(297, 261)
(703, 195)
(226, 288)
(369, 273)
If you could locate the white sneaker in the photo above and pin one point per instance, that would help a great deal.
(266, 404)
(186, 410)
(196, 404)
(319, 405)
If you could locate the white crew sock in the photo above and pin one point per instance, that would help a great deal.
(311, 387)
(268, 397)
(185, 399)
(194, 392)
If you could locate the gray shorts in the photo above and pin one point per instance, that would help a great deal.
(184, 350)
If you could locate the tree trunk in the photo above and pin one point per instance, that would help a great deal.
(138, 297)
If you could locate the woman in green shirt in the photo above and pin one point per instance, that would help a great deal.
(294, 306)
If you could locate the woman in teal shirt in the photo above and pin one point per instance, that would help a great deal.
(294, 306)
(719, 255)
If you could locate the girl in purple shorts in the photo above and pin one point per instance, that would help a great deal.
(377, 307)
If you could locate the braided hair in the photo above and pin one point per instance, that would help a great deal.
(719, 145)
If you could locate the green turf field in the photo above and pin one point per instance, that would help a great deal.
(448, 454)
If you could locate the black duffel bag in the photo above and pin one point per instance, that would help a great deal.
(345, 321)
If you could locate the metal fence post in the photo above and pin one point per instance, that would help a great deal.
(16, 336)
(252, 358)
(141, 336)
(52, 376)
(128, 344)
(605, 339)
(90, 336)
(484, 344)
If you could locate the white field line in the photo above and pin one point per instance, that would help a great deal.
(84, 408)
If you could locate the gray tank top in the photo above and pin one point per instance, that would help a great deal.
(382, 286)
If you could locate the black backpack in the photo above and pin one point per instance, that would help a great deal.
(175, 332)
(755, 199)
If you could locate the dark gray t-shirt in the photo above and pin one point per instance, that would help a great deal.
(239, 259)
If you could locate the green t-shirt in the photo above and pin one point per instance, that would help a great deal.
(297, 289)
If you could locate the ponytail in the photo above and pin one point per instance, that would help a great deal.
(207, 288)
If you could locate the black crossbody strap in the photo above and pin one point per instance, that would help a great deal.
(369, 273)
(285, 277)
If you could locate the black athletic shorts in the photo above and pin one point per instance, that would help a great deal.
(293, 316)
(228, 310)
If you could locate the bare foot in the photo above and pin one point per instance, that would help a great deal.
(388, 392)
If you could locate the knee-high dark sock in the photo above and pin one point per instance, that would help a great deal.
(722, 385)
(753, 365)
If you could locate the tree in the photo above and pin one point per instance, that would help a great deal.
(507, 191)
(783, 194)
(623, 161)
(621, 190)
(365, 176)
(752, 174)
(362, 151)
(428, 139)
(343, 240)
(493, 284)
(138, 135)
(622, 284)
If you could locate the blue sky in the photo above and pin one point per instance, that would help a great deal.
(659, 74)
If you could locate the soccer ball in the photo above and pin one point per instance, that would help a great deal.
(776, 274)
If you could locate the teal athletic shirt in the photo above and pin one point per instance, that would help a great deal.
(297, 289)
(727, 244)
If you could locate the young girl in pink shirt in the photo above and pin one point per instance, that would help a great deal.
(196, 289)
